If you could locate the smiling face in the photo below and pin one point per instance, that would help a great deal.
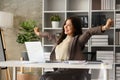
(71, 27)
(68, 28)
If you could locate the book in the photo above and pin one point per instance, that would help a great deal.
(100, 36)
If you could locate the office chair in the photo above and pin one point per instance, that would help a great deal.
(89, 56)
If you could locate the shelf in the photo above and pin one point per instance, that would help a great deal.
(77, 11)
(102, 45)
(54, 12)
(117, 45)
(102, 10)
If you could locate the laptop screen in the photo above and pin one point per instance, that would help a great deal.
(35, 51)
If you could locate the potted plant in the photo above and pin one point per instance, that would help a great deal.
(55, 19)
(26, 32)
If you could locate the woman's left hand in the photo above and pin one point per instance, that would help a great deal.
(108, 24)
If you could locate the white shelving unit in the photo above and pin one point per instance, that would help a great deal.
(94, 10)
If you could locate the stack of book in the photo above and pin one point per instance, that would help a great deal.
(105, 56)
(117, 73)
(117, 20)
(117, 34)
(117, 38)
(103, 4)
(84, 21)
(117, 57)
(99, 40)
(107, 4)
(117, 4)
(118, 68)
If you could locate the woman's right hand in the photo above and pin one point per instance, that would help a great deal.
(37, 31)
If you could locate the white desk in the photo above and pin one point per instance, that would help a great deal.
(15, 64)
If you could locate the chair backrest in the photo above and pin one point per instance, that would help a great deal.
(24, 56)
(90, 56)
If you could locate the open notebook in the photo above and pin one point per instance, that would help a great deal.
(35, 51)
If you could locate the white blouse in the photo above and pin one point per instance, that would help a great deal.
(61, 50)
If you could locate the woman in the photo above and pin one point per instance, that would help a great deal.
(69, 47)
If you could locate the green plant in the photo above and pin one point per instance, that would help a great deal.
(55, 18)
(27, 31)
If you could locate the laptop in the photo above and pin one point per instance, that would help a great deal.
(35, 51)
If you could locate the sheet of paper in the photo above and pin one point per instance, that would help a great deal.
(75, 61)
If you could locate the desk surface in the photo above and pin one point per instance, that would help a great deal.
(84, 65)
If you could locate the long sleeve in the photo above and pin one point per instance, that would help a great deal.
(87, 34)
(48, 36)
